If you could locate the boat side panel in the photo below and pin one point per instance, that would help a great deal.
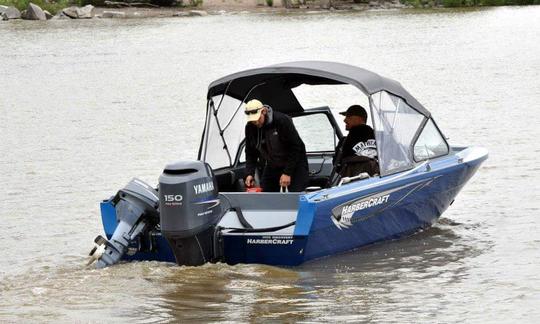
(264, 249)
(271, 248)
(408, 208)
(304, 219)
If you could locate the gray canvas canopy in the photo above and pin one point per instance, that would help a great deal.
(273, 84)
(405, 132)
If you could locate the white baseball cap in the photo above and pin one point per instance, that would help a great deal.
(253, 110)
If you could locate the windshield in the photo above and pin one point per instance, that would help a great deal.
(396, 124)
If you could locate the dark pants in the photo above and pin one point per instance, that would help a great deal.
(271, 175)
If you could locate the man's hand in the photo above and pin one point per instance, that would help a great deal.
(250, 181)
(285, 180)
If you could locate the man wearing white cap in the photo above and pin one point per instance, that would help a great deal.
(272, 139)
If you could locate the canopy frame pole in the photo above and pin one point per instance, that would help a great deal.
(240, 105)
(221, 132)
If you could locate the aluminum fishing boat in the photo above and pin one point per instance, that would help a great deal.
(200, 211)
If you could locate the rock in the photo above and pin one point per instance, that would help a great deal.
(71, 12)
(48, 15)
(10, 13)
(361, 7)
(180, 14)
(113, 14)
(198, 13)
(325, 4)
(34, 12)
(86, 12)
(60, 15)
(75, 12)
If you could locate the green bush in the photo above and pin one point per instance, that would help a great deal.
(52, 6)
(95, 3)
(164, 3)
(470, 3)
(414, 3)
(523, 2)
(494, 2)
(453, 3)
(269, 3)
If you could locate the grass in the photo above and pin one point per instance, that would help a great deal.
(468, 3)
(52, 6)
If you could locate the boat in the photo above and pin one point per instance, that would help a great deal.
(200, 211)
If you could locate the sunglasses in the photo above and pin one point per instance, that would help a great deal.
(253, 112)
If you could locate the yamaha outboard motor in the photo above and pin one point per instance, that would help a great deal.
(136, 212)
(189, 211)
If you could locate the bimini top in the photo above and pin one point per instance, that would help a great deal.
(273, 84)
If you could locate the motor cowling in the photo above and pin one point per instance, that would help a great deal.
(189, 210)
(136, 212)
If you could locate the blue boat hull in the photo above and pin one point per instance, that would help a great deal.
(342, 218)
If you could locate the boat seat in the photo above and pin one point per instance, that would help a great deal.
(318, 181)
(355, 165)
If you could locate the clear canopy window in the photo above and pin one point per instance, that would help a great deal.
(338, 97)
(230, 122)
(396, 124)
(430, 143)
(316, 132)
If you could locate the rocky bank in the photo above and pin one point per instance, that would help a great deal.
(141, 10)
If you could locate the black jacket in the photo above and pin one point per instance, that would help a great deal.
(277, 143)
(360, 142)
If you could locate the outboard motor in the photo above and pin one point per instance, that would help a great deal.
(189, 211)
(136, 208)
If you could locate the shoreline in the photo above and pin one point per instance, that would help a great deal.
(124, 10)
(216, 7)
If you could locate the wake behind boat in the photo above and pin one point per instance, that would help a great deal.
(200, 212)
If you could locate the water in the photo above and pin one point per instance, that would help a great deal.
(86, 105)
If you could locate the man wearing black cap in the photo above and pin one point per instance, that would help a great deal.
(357, 152)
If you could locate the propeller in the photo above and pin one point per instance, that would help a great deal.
(98, 250)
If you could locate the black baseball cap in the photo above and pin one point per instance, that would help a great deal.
(355, 110)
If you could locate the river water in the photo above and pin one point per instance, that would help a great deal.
(87, 105)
